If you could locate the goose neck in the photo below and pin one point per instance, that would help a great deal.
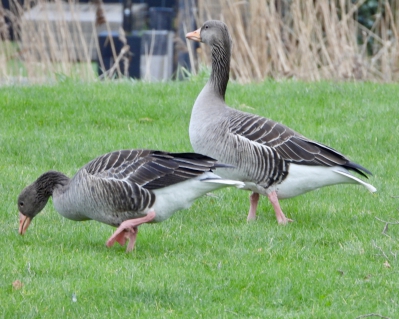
(49, 181)
(220, 69)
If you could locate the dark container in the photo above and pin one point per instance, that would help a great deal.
(157, 3)
(134, 42)
(160, 18)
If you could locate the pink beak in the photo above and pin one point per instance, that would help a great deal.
(195, 35)
(24, 223)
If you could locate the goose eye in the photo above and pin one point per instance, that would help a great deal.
(206, 27)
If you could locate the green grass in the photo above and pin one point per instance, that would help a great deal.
(206, 261)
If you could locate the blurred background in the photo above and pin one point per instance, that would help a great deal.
(42, 41)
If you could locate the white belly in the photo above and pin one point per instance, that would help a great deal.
(181, 195)
(303, 178)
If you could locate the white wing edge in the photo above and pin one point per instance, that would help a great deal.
(371, 188)
(237, 184)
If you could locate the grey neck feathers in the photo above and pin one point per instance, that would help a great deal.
(47, 182)
(220, 67)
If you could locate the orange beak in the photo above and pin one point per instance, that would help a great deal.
(24, 223)
(195, 35)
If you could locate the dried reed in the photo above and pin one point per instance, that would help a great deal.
(53, 41)
(306, 39)
(303, 39)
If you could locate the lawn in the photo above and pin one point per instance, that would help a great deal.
(206, 261)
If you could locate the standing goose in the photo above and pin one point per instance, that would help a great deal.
(124, 189)
(271, 159)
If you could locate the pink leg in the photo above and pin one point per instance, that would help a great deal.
(131, 235)
(281, 219)
(121, 238)
(127, 234)
(253, 200)
(128, 230)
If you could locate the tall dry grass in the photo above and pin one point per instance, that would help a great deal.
(59, 44)
(306, 39)
(303, 39)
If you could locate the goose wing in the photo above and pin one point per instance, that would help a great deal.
(150, 169)
(290, 145)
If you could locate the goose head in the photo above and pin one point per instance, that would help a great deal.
(34, 197)
(212, 32)
(30, 203)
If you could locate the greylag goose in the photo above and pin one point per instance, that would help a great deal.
(270, 158)
(124, 189)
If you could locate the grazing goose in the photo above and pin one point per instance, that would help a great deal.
(269, 157)
(124, 188)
